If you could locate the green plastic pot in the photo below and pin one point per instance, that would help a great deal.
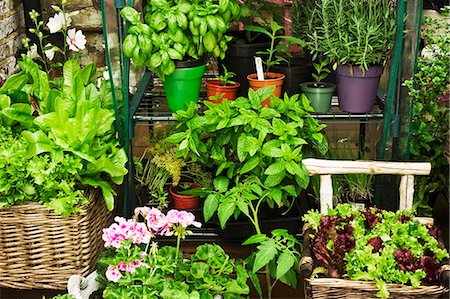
(183, 86)
(320, 97)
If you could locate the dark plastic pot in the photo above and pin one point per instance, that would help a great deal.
(357, 90)
(297, 73)
(183, 86)
(239, 59)
(320, 97)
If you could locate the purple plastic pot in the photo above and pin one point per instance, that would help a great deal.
(357, 91)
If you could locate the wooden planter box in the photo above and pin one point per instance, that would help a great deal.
(41, 250)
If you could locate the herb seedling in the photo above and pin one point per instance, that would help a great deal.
(273, 59)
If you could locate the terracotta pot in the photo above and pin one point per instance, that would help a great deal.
(275, 79)
(182, 201)
(214, 87)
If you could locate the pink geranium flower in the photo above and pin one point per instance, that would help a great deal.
(113, 274)
(126, 230)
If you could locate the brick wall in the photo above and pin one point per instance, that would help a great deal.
(11, 33)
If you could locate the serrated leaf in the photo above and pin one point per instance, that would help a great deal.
(276, 168)
(273, 180)
(221, 184)
(266, 252)
(242, 147)
(271, 148)
(258, 238)
(293, 168)
(276, 195)
(250, 165)
(302, 178)
(224, 212)
(284, 263)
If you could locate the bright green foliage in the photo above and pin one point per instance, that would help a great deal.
(207, 272)
(429, 91)
(60, 136)
(178, 30)
(257, 153)
(397, 230)
(272, 58)
(355, 32)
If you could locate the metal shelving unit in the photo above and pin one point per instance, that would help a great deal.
(147, 103)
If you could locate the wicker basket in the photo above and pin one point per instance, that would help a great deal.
(321, 288)
(40, 250)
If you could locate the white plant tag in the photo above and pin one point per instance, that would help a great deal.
(259, 68)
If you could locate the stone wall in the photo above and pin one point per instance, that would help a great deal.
(11, 34)
(89, 20)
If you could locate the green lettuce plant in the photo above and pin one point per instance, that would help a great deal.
(375, 245)
(257, 153)
(429, 91)
(58, 120)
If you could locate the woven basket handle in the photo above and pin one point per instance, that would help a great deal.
(306, 263)
(444, 275)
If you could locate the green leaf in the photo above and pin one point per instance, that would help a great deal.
(284, 263)
(107, 191)
(225, 210)
(210, 206)
(242, 147)
(276, 168)
(176, 138)
(266, 253)
(15, 82)
(258, 238)
(271, 148)
(302, 178)
(257, 29)
(250, 165)
(276, 195)
(87, 74)
(273, 180)
(221, 184)
(293, 168)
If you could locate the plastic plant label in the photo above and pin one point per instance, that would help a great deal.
(259, 68)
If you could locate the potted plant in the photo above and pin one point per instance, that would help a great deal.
(134, 267)
(357, 36)
(257, 153)
(296, 69)
(181, 197)
(270, 78)
(61, 161)
(176, 39)
(383, 251)
(429, 92)
(223, 86)
(318, 92)
(239, 57)
(158, 173)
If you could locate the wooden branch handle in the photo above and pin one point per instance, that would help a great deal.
(322, 166)
(306, 263)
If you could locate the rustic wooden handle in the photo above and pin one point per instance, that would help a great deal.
(306, 263)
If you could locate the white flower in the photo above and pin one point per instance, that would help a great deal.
(57, 22)
(76, 40)
(106, 75)
(50, 52)
(32, 52)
